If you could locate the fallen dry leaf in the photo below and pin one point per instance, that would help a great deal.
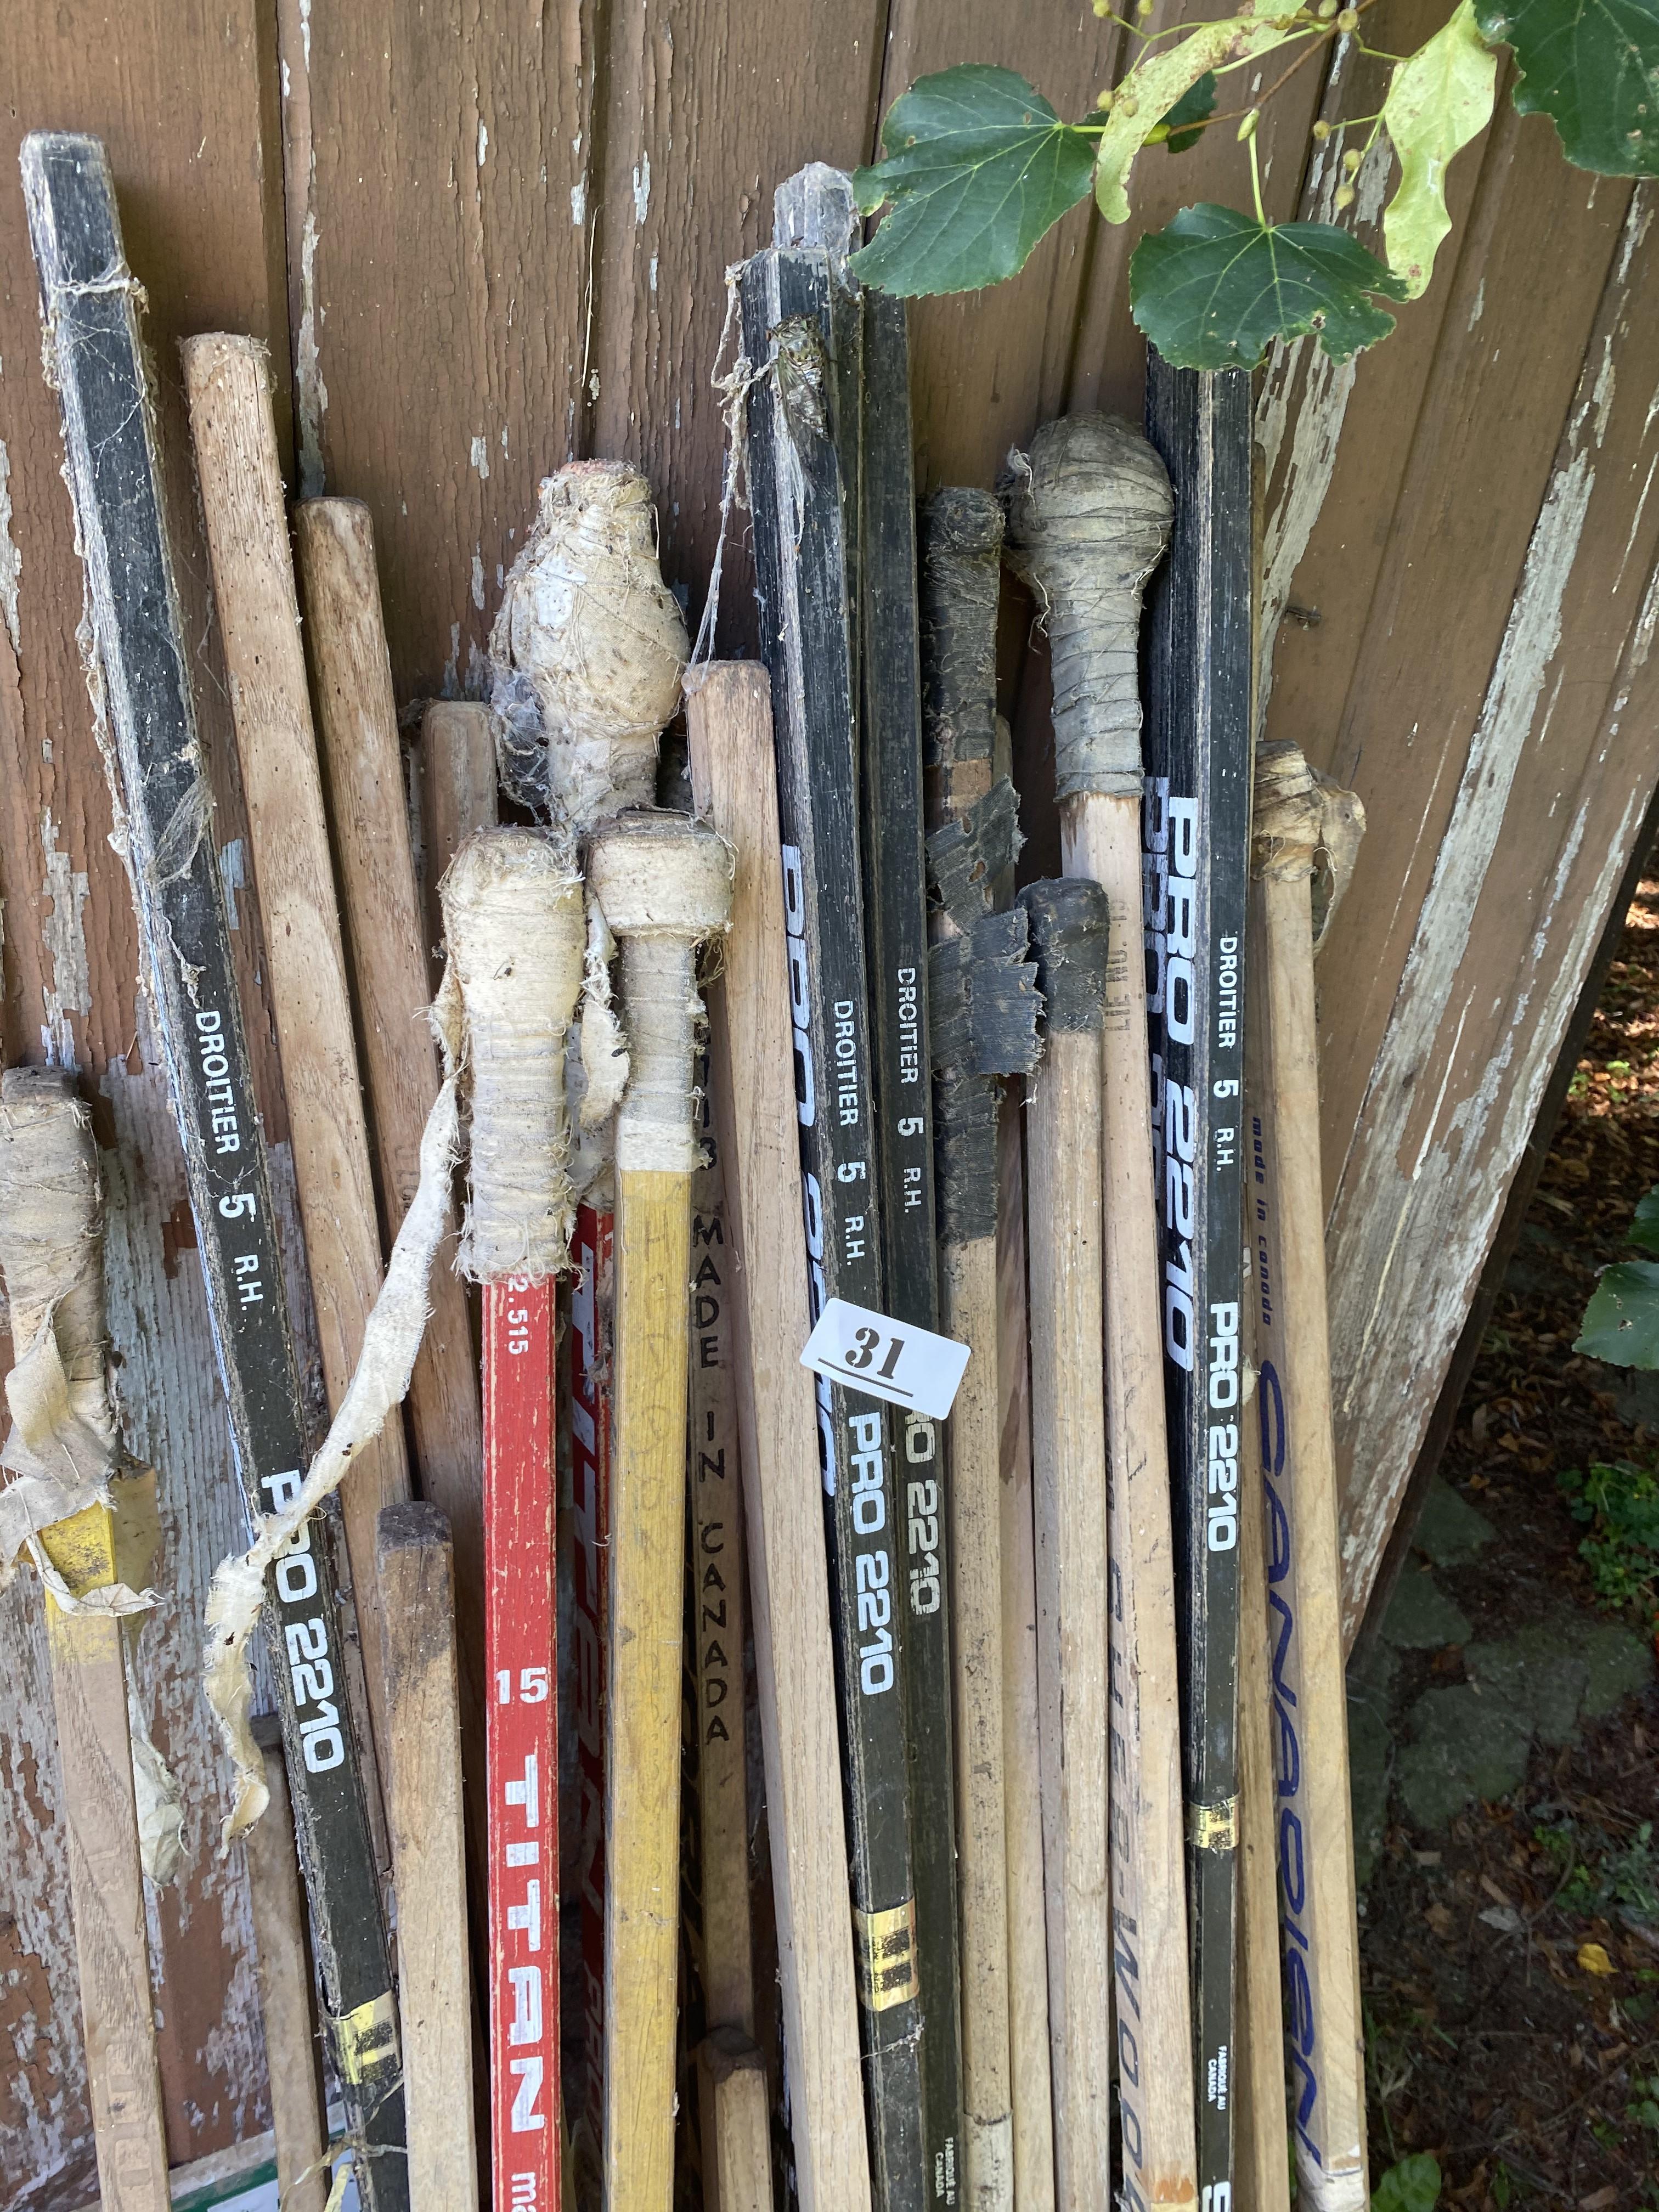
(1595, 1961)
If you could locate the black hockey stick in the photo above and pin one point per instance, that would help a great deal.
(1195, 832)
(89, 304)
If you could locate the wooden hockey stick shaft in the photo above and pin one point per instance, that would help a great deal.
(425, 1814)
(1069, 1488)
(1286, 1220)
(369, 818)
(1262, 2172)
(458, 796)
(1094, 613)
(1028, 1962)
(743, 2148)
(960, 532)
(228, 385)
(663, 885)
(734, 782)
(52, 1253)
(513, 909)
(719, 1618)
(282, 1968)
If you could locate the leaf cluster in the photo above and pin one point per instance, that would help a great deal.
(1619, 1504)
(977, 167)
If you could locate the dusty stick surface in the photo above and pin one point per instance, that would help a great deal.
(1028, 1958)
(368, 816)
(1262, 2173)
(1286, 1221)
(161, 792)
(282, 1968)
(227, 384)
(1069, 1481)
(1088, 517)
(424, 1814)
(663, 885)
(513, 910)
(458, 796)
(751, 1052)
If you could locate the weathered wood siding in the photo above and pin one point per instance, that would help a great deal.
(480, 236)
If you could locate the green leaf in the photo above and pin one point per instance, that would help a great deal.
(1592, 66)
(1216, 288)
(1621, 1322)
(1411, 2185)
(1644, 1228)
(1438, 100)
(978, 167)
(1184, 125)
(1160, 82)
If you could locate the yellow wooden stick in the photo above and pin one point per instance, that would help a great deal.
(663, 885)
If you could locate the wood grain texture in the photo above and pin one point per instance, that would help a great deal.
(415, 1564)
(446, 167)
(1028, 1958)
(233, 433)
(968, 1312)
(458, 796)
(756, 94)
(363, 793)
(1068, 1485)
(1284, 1221)
(643, 1798)
(751, 1052)
(89, 1697)
(742, 2125)
(282, 1967)
(1535, 841)
(1261, 2171)
(1153, 2014)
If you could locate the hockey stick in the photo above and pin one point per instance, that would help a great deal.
(513, 910)
(1069, 922)
(1088, 517)
(1287, 1222)
(228, 385)
(91, 311)
(734, 781)
(896, 938)
(800, 316)
(1195, 826)
(424, 1808)
(665, 884)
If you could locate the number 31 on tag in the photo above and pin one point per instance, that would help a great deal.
(886, 1358)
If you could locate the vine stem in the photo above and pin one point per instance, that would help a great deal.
(1255, 183)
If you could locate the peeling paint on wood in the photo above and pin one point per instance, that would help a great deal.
(1538, 835)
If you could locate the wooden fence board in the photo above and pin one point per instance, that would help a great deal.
(1556, 780)
(442, 255)
(1478, 462)
(712, 104)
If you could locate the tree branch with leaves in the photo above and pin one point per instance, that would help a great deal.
(978, 167)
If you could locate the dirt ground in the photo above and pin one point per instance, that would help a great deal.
(1507, 1728)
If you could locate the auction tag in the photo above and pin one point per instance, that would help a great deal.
(886, 1358)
